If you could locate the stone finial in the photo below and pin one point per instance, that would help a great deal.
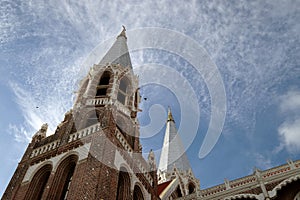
(44, 128)
(170, 116)
(123, 33)
(291, 164)
(68, 115)
(40, 134)
(151, 160)
(227, 184)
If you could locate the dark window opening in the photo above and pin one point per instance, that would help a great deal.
(123, 90)
(178, 191)
(38, 183)
(104, 79)
(121, 97)
(68, 181)
(123, 85)
(62, 181)
(137, 193)
(103, 85)
(136, 99)
(123, 189)
(41, 186)
(191, 188)
(101, 92)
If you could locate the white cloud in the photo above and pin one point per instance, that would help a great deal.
(290, 135)
(289, 130)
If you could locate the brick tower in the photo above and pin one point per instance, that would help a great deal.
(95, 152)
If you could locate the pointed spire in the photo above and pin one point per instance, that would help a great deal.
(118, 53)
(172, 152)
(170, 116)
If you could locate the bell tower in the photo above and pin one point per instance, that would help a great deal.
(95, 152)
(111, 89)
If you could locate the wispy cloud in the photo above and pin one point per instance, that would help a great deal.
(262, 162)
(34, 113)
(290, 102)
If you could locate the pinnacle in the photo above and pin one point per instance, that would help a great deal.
(123, 33)
(170, 116)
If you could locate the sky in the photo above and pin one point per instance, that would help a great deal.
(249, 107)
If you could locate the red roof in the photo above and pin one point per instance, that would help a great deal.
(161, 187)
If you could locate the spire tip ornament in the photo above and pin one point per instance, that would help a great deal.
(123, 33)
(170, 116)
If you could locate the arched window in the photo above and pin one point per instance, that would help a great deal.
(137, 193)
(177, 193)
(123, 91)
(191, 188)
(123, 191)
(63, 178)
(38, 183)
(103, 84)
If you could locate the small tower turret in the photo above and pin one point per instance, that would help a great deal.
(40, 134)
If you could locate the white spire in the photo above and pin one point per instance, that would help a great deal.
(118, 53)
(172, 153)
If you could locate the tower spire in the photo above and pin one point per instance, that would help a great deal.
(172, 153)
(118, 53)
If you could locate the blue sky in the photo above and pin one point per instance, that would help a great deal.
(254, 44)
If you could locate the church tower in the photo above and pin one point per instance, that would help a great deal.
(95, 152)
(176, 178)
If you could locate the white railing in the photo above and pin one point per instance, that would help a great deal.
(267, 175)
(84, 132)
(98, 101)
(75, 136)
(124, 142)
(44, 148)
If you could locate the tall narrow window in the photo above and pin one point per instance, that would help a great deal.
(177, 193)
(38, 183)
(123, 90)
(68, 181)
(137, 193)
(123, 185)
(63, 178)
(103, 84)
